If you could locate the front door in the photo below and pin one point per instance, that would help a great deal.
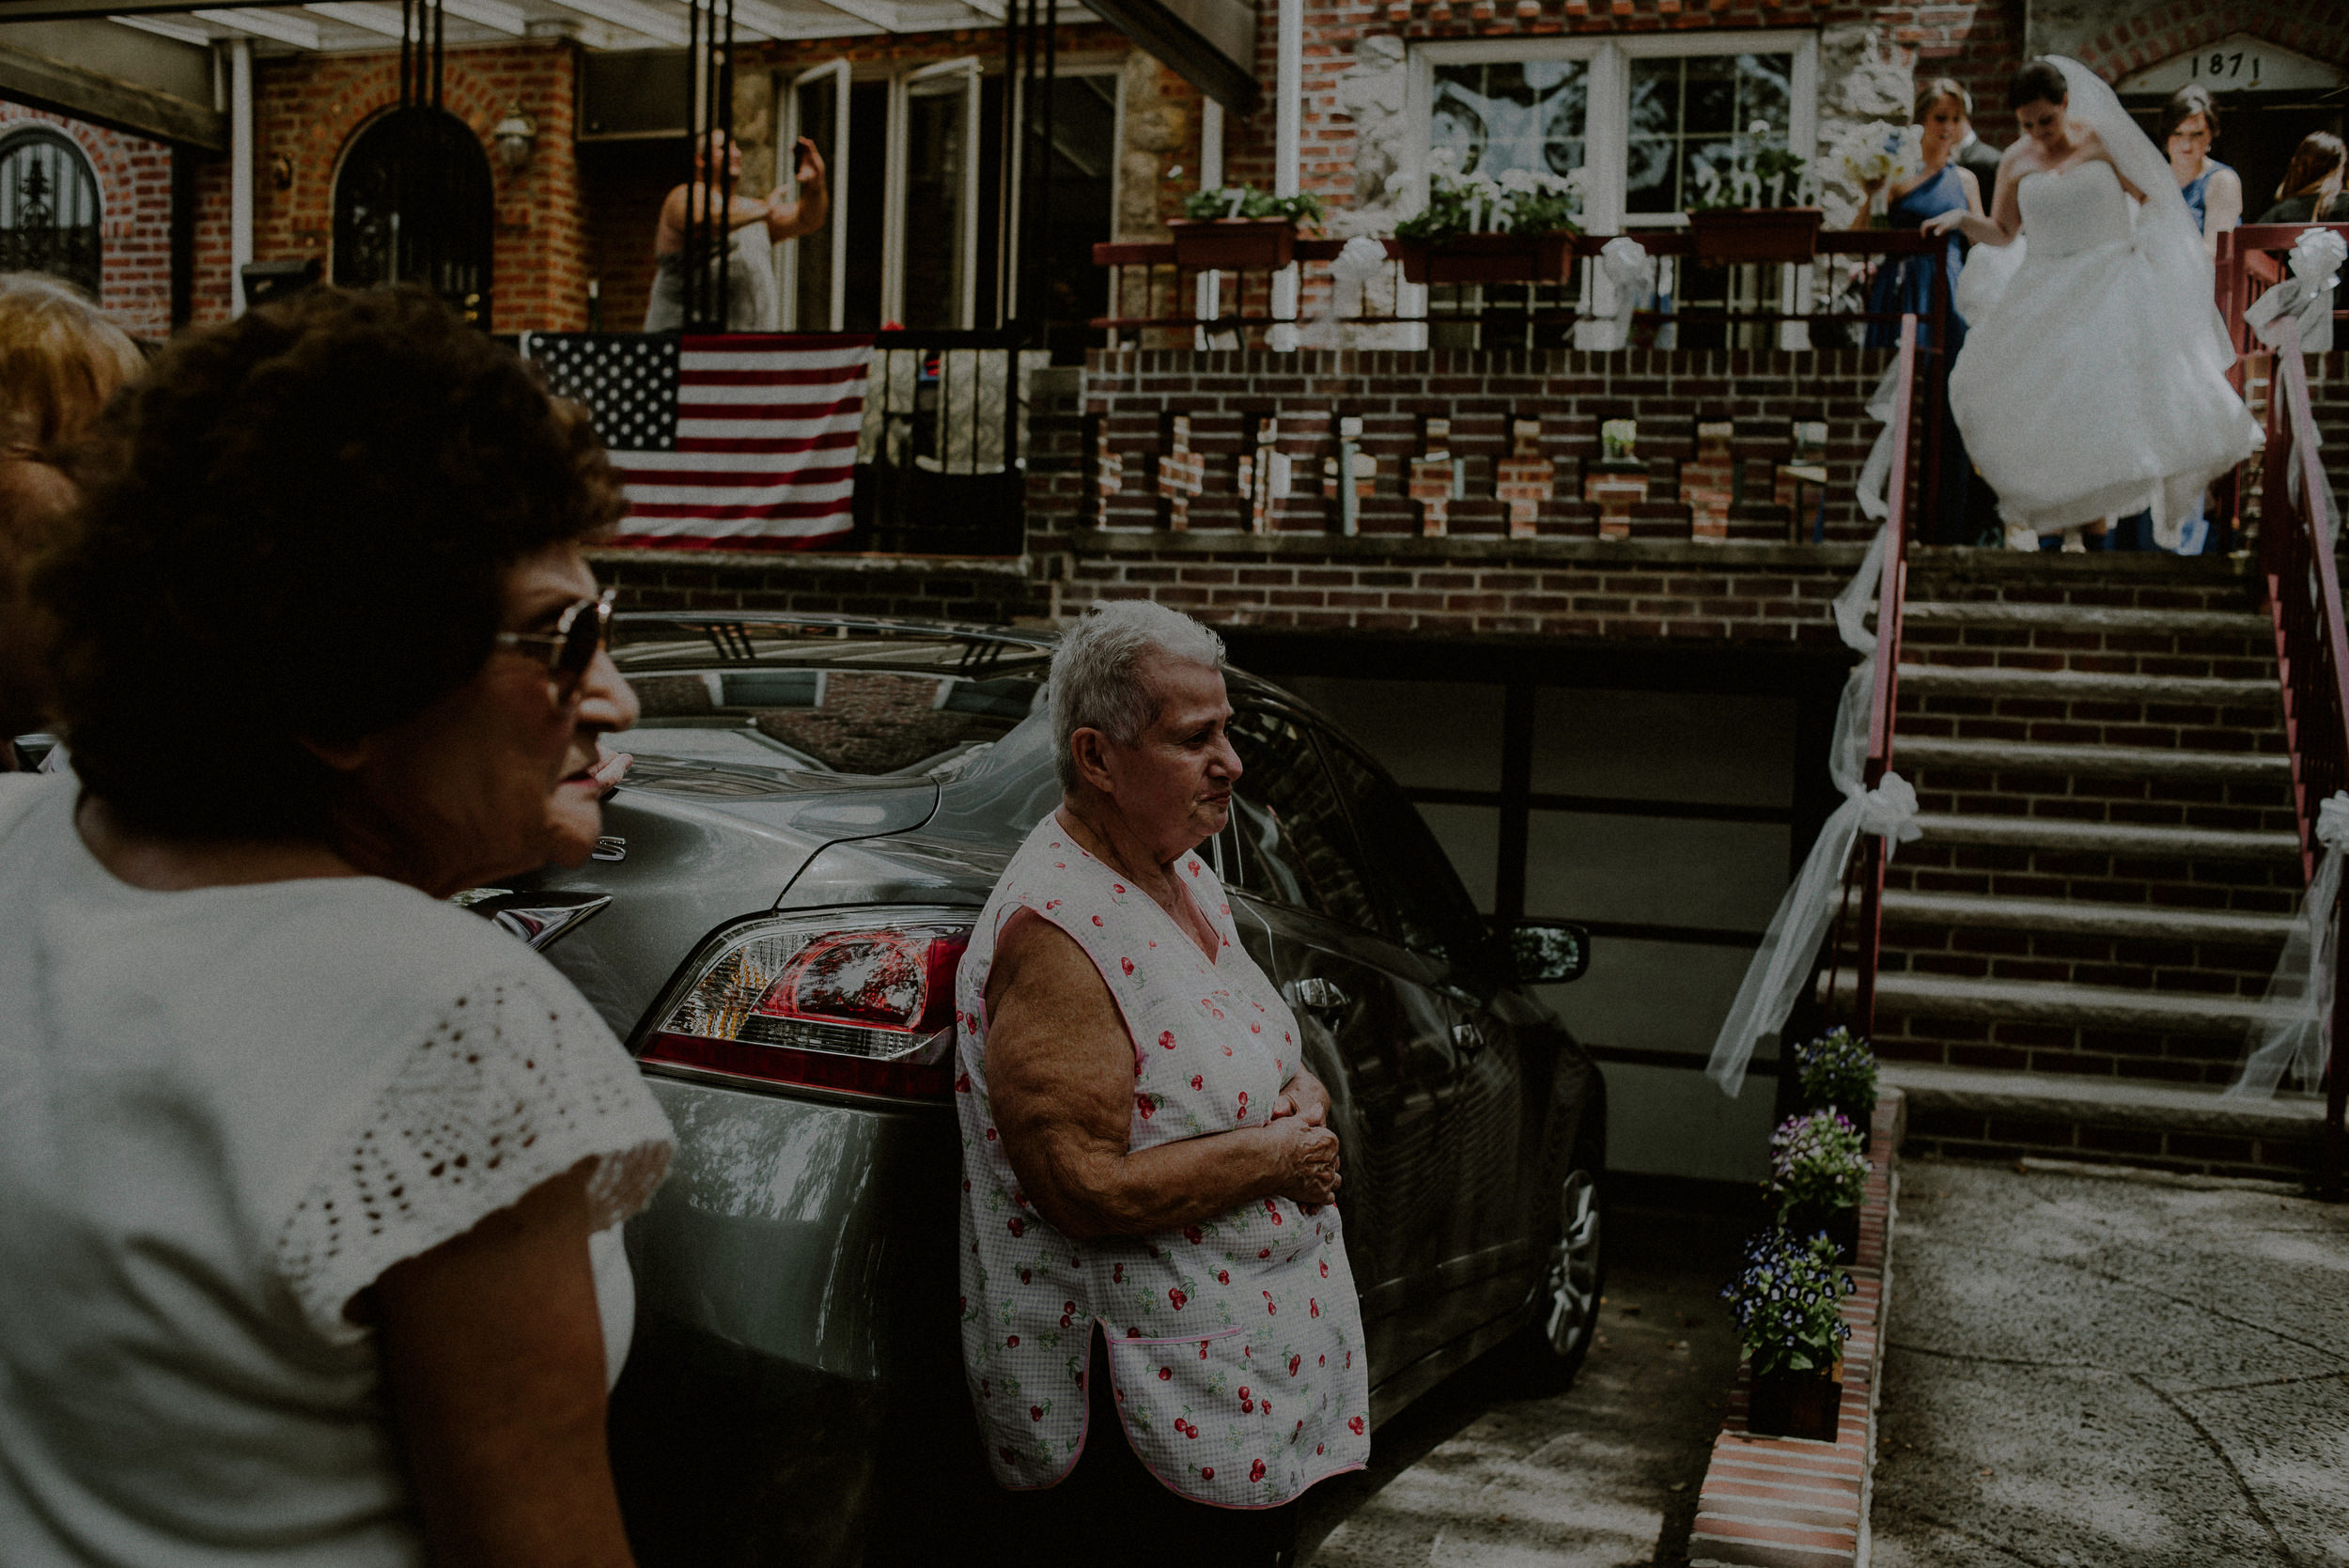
(414, 204)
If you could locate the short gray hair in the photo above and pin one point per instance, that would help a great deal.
(1096, 671)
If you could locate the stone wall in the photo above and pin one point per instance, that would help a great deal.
(134, 218)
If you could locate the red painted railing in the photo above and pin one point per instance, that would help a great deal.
(1885, 707)
(2302, 584)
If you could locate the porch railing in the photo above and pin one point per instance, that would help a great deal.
(2303, 591)
(1884, 707)
(1152, 295)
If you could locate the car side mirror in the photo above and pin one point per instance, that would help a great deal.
(1547, 952)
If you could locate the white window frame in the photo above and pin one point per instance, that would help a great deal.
(835, 232)
(1607, 124)
(893, 215)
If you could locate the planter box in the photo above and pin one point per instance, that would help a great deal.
(1756, 233)
(1840, 1225)
(1485, 258)
(1806, 1404)
(1234, 245)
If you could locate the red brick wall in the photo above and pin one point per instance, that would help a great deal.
(2160, 31)
(134, 215)
(309, 107)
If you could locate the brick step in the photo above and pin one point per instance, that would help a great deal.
(2087, 617)
(2015, 756)
(1988, 1114)
(2050, 941)
(2085, 918)
(2105, 1008)
(2112, 839)
(1945, 680)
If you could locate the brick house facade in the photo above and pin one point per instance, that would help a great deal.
(134, 216)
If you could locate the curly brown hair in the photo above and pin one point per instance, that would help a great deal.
(296, 528)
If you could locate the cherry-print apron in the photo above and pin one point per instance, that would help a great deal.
(1236, 1345)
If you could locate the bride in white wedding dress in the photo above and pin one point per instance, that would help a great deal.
(2094, 384)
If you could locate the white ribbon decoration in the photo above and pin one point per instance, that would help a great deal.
(2305, 295)
(2298, 1005)
(1627, 273)
(1782, 965)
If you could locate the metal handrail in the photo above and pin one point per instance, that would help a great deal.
(1884, 708)
(2303, 590)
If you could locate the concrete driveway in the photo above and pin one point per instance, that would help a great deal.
(2113, 1372)
(1604, 1476)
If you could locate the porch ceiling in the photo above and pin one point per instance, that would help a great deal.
(349, 25)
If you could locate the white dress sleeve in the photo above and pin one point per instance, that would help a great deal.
(513, 1085)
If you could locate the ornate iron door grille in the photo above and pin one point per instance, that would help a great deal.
(48, 209)
(413, 205)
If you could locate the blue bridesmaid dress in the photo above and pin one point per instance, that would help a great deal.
(1903, 285)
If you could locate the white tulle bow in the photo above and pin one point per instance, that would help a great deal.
(2295, 1030)
(1782, 964)
(1890, 811)
(2305, 295)
(1628, 272)
(1362, 259)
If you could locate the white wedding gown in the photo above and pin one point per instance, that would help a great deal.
(2079, 395)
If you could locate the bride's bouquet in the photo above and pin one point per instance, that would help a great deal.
(1877, 152)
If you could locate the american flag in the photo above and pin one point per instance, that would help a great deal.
(740, 442)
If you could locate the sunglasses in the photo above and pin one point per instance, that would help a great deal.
(579, 633)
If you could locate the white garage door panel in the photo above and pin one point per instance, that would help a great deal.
(1664, 746)
(1430, 734)
(1655, 870)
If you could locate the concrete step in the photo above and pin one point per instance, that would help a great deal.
(2116, 1102)
(2104, 838)
(2071, 1006)
(2083, 918)
(1948, 680)
(2085, 617)
(2009, 757)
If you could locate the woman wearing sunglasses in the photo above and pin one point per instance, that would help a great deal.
(309, 1182)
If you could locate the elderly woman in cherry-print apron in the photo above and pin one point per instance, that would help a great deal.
(1143, 1153)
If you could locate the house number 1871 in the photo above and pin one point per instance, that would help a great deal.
(2227, 66)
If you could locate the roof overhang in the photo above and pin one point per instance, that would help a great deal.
(1211, 43)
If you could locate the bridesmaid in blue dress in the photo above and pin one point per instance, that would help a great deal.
(1905, 285)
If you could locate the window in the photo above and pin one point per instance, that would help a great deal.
(915, 157)
(1294, 844)
(1694, 110)
(1427, 910)
(1492, 117)
(1641, 113)
(48, 207)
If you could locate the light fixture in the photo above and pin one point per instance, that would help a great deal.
(513, 136)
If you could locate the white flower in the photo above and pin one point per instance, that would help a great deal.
(1759, 128)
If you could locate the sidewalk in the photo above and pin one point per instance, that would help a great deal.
(2112, 1373)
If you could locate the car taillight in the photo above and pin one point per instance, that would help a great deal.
(862, 1005)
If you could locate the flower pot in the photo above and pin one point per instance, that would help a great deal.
(1486, 258)
(1234, 245)
(1840, 1225)
(1805, 1405)
(1756, 233)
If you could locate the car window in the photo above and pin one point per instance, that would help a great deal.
(1292, 842)
(1413, 878)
